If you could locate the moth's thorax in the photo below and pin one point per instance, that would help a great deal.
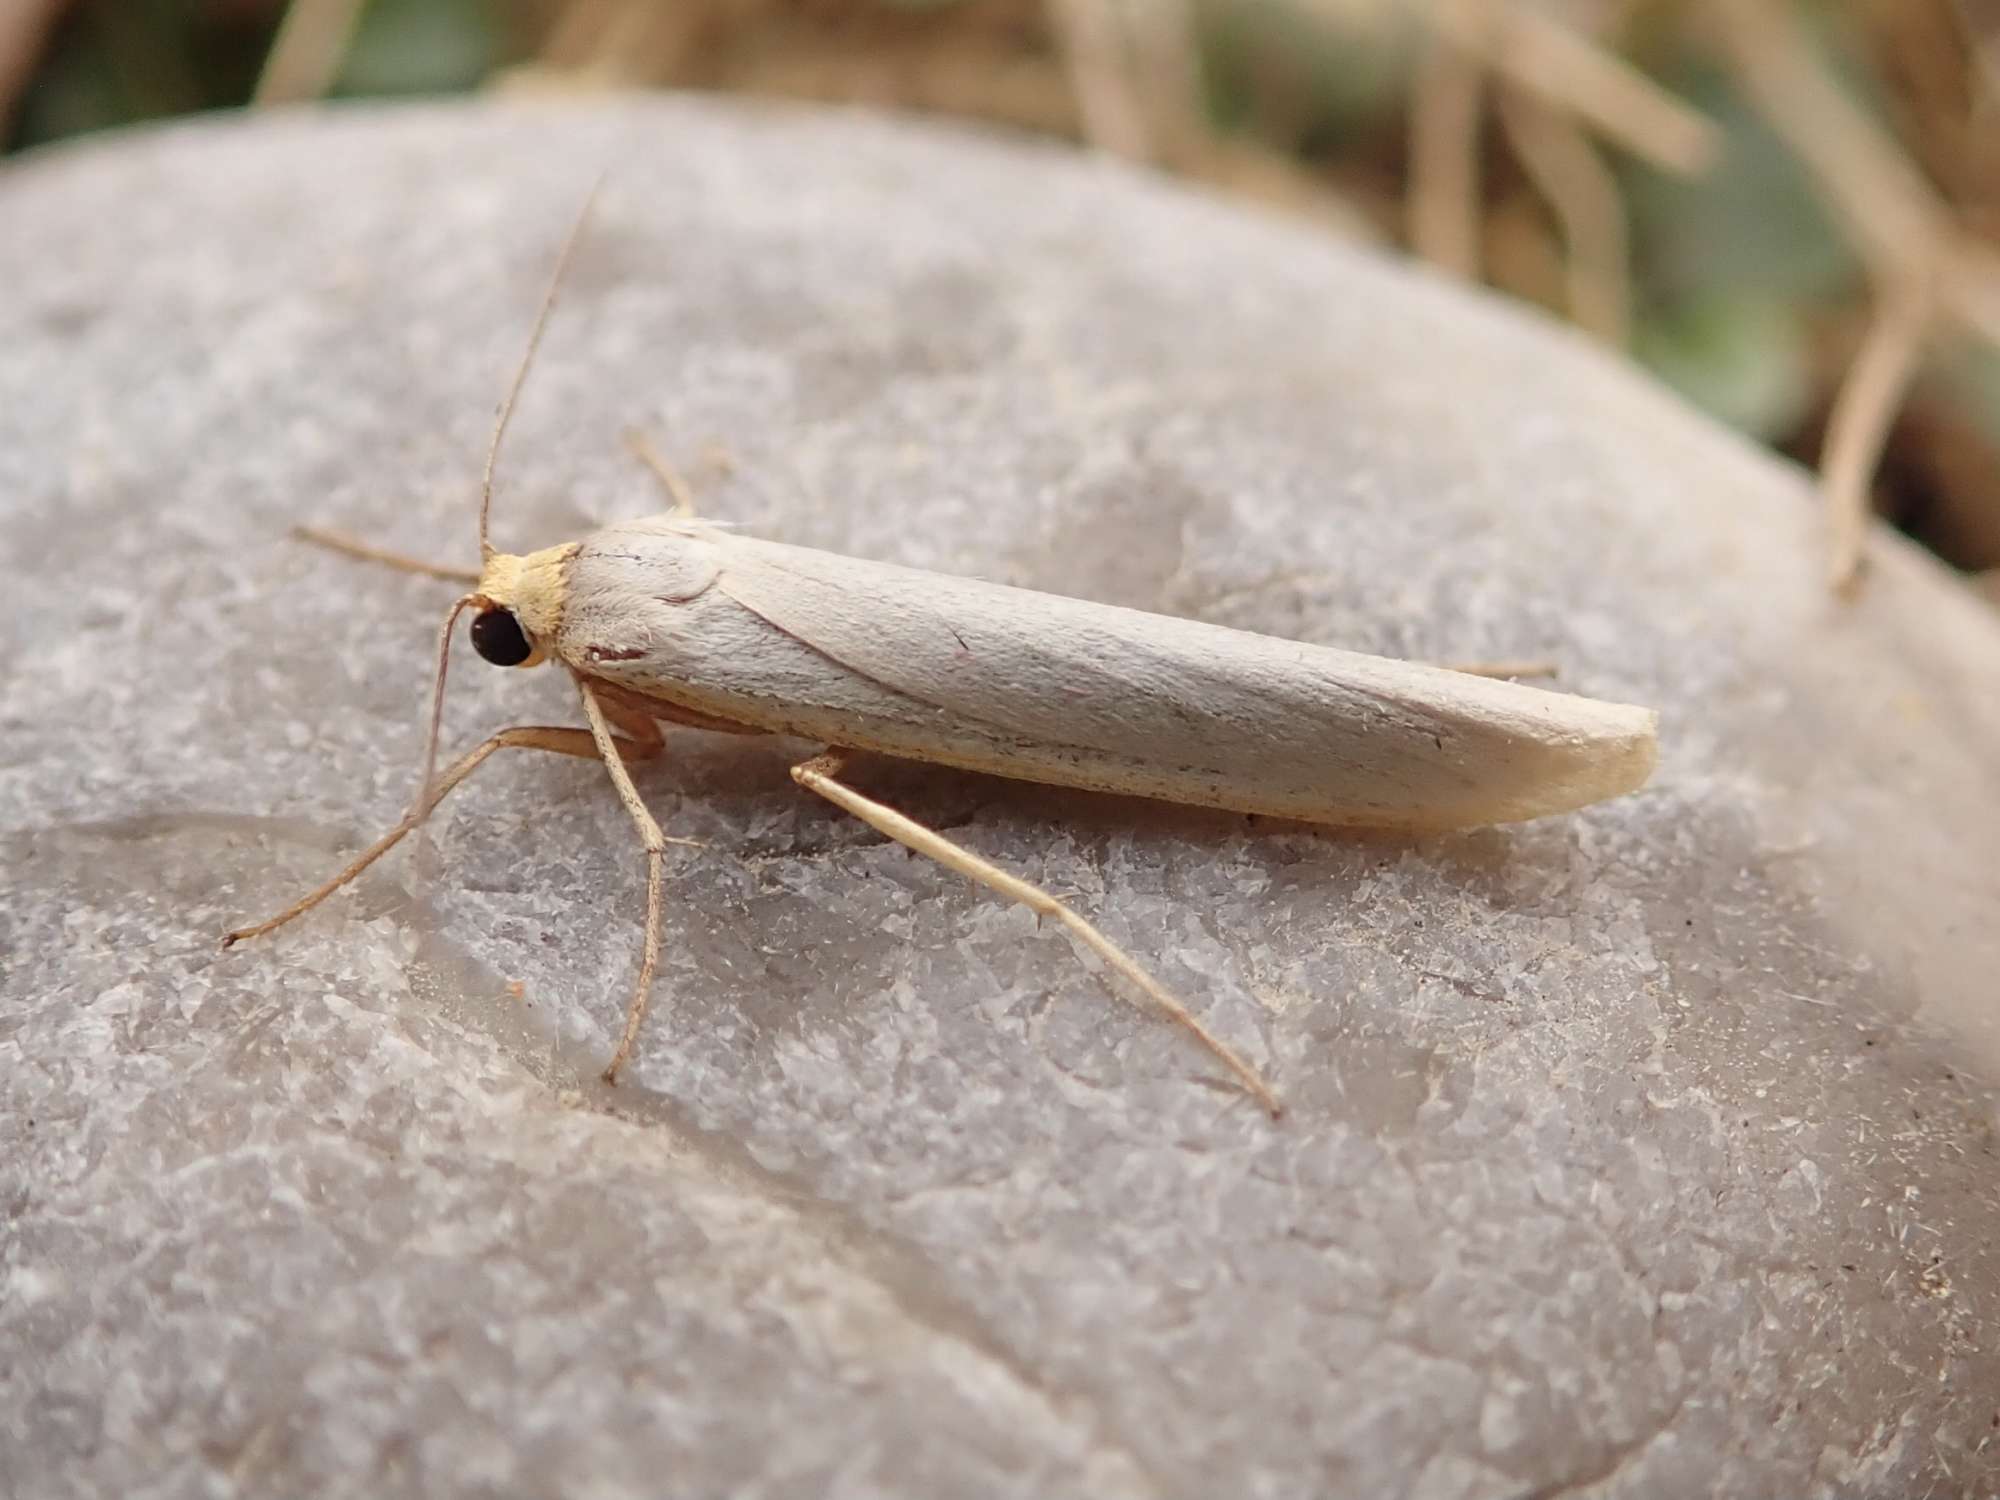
(534, 589)
(638, 598)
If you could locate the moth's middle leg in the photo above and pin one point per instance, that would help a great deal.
(821, 774)
(656, 851)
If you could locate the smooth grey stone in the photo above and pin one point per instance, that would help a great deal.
(1644, 1152)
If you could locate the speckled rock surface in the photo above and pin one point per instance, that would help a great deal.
(1646, 1152)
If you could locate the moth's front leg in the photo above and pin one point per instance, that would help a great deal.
(555, 738)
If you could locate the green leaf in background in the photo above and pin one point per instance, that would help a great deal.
(1970, 370)
(1304, 72)
(1752, 226)
(116, 62)
(1744, 359)
(422, 47)
(77, 90)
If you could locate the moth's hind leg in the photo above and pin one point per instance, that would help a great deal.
(559, 740)
(821, 774)
(678, 490)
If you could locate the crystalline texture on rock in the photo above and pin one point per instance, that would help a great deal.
(1641, 1152)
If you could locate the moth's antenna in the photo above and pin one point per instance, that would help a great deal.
(521, 374)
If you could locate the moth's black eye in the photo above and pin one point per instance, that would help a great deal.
(496, 635)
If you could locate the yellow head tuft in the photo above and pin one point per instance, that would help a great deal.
(532, 590)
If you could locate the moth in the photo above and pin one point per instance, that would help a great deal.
(676, 622)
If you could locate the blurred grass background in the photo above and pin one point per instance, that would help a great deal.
(1789, 210)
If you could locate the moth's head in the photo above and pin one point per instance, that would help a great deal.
(519, 604)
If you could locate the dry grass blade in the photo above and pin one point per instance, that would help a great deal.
(1091, 37)
(1576, 76)
(1971, 280)
(1924, 266)
(1443, 192)
(576, 37)
(1891, 213)
(1570, 175)
(1167, 63)
(1979, 26)
(24, 31)
(1859, 425)
(307, 53)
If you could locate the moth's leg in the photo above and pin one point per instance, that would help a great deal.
(641, 447)
(562, 741)
(333, 541)
(656, 864)
(821, 774)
